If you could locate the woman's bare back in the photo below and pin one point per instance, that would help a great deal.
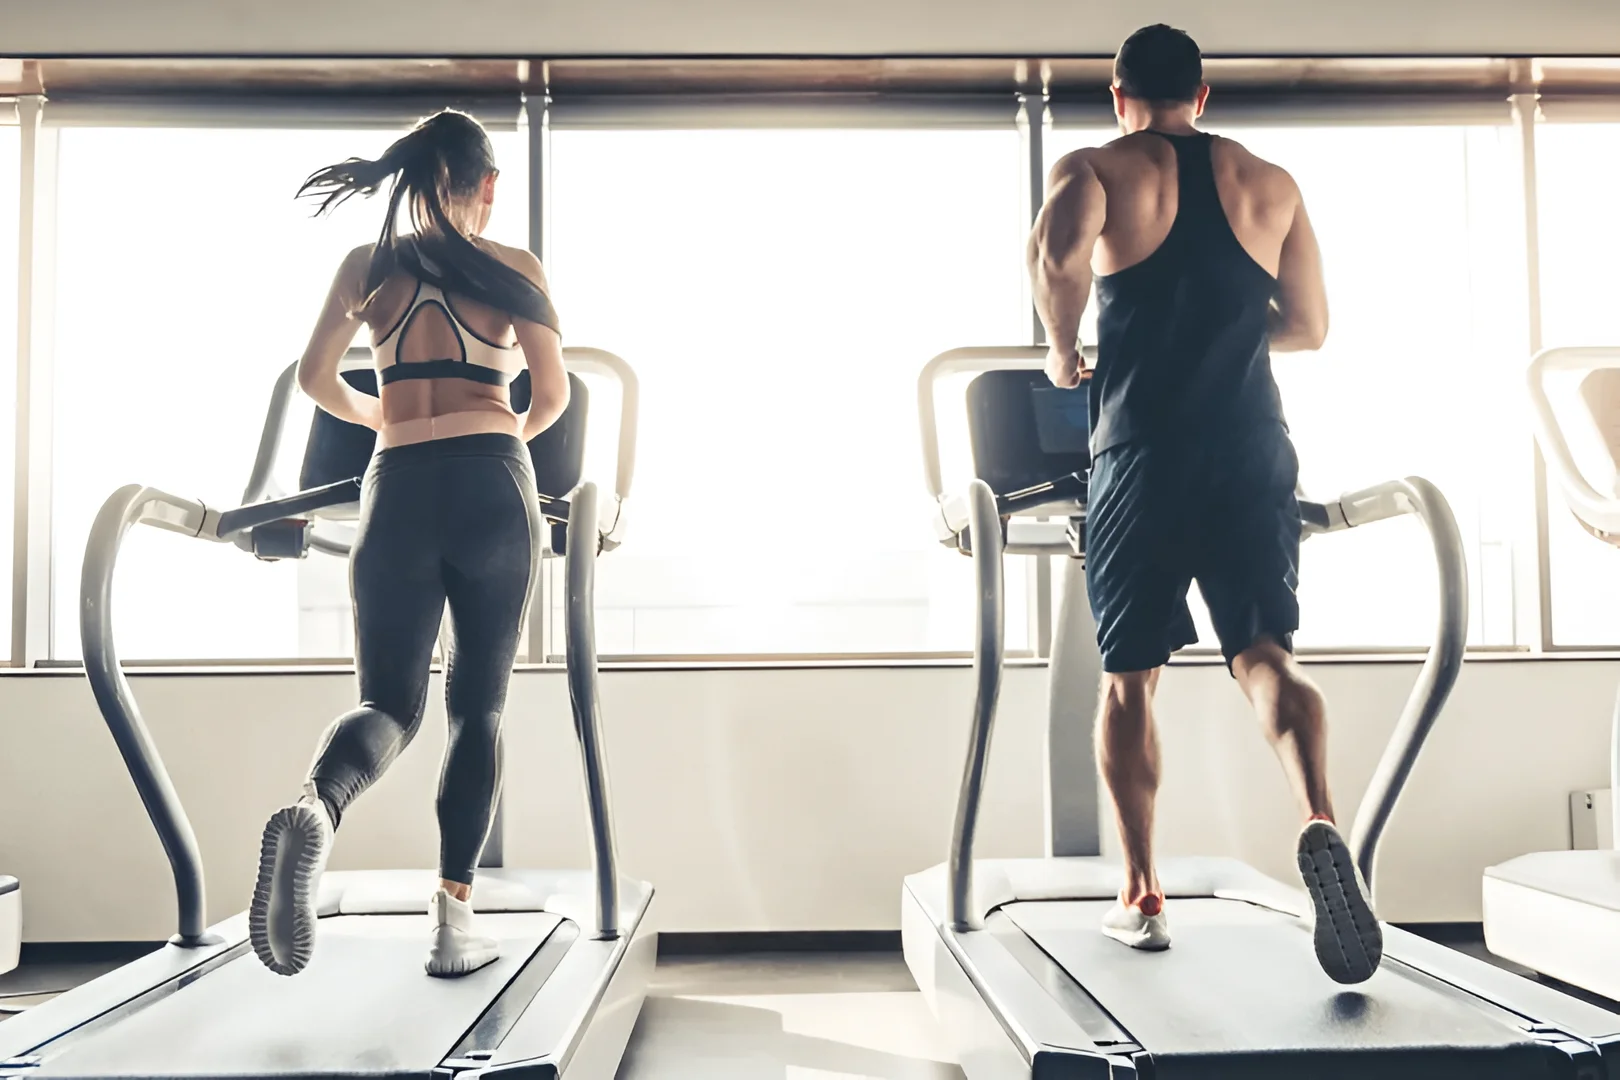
(432, 335)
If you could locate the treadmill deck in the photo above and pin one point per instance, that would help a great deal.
(242, 1020)
(1239, 994)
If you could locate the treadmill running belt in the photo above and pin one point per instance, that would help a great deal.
(363, 1008)
(1239, 995)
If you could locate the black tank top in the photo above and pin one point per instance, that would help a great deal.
(1182, 336)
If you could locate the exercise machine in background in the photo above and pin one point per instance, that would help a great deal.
(1009, 952)
(577, 946)
(1558, 912)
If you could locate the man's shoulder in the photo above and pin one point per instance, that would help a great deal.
(1253, 168)
(1111, 161)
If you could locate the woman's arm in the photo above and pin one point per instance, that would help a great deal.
(334, 333)
(542, 352)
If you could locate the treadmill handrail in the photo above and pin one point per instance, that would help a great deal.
(989, 653)
(260, 484)
(602, 362)
(580, 608)
(1441, 666)
(124, 508)
(299, 504)
(1598, 510)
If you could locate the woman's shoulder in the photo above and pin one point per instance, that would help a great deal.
(359, 256)
(522, 260)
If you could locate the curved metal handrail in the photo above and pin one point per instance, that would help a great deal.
(1441, 667)
(989, 651)
(124, 508)
(580, 604)
(260, 483)
(261, 480)
(1598, 510)
(602, 362)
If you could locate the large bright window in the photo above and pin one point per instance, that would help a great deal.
(10, 176)
(1576, 166)
(778, 292)
(187, 279)
(1421, 371)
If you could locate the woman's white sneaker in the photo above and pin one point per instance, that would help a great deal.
(292, 857)
(458, 948)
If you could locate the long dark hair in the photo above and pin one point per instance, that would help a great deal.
(445, 156)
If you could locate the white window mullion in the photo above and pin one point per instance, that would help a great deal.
(36, 316)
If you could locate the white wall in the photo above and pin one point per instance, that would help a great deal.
(774, 800)
(795, 27)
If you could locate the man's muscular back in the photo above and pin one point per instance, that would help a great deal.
(1139, 179)
(1111, 207)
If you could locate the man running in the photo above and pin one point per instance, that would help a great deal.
(1204, 262)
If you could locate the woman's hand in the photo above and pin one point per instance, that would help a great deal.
(371, 414)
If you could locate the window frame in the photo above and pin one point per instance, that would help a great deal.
(32, 609)
(1541, 111)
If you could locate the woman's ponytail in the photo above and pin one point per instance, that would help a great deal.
(448, 154)
(336, 184)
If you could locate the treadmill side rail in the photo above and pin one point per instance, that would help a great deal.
(580, 1021)
(1001, 1017)
(43, 1024)
(1555, 1012)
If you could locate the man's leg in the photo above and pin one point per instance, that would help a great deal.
(1138, 591)
(1128, 758)
(1349, 941)
(1292, 714)
(1248, 575)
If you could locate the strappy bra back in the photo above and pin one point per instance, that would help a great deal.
(477, 358)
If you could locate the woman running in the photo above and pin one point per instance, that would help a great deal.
(448, 514)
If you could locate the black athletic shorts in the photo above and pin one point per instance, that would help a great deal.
(1163, 516)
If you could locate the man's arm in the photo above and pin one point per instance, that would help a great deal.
(1059, 259)
(1299, 318)
(333, 334)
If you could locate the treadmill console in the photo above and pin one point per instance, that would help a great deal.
(1025, 431)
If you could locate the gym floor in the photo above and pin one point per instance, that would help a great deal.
(739, 1016)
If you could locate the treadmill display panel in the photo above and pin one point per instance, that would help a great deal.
(1062, 419)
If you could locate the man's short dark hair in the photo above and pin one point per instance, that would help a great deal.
(1159, 63)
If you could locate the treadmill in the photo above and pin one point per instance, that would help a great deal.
(1008, 952)
(1558, 912)
(578, 948)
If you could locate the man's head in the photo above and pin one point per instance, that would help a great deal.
(1158, 77)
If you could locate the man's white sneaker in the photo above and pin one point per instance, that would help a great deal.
(1349, 941)
(1135, 927)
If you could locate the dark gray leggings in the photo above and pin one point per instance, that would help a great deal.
(448, 520)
